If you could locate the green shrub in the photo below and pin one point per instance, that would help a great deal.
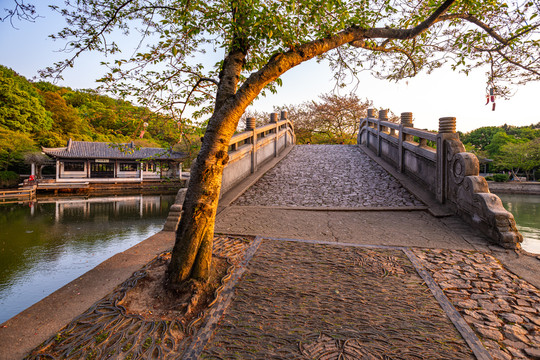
(489, 178)
(500, 177)
(8, 179)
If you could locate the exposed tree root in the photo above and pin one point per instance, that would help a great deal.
(153, 300)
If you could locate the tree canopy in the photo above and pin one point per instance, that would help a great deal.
(392, 39)
(259, 40)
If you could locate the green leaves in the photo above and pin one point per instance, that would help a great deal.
(21, 107)
(181, 41)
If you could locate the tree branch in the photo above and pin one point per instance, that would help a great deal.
(193, 89)
(383, 48)
(405, 34)
(516, 63)
(21, 11)
(472, 19)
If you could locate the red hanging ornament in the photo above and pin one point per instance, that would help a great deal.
(491, 98)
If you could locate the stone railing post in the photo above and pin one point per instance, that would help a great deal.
(370, 115)
(250, 126)
(447, 131)
(383, 116)
(175, 212)
(274, 120)
(284, 116)
(406, 122)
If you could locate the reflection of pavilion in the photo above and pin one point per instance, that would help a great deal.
(103, 208)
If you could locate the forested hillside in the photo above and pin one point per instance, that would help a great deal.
(36, 114)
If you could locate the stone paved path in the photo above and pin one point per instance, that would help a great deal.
(503, 309)
(327, 176)
(309, 301)
(394, 228)
(306, 300)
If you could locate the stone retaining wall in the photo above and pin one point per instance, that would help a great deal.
(514, 187)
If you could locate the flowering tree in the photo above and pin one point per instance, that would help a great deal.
(260, 40)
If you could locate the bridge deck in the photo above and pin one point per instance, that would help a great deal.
(339, 195)
(328, 176)
(298, 198)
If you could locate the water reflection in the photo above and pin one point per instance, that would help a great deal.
(46, 244)
(526, 211)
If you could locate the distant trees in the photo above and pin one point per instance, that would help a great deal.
(333, 119)
(520, 157)
(512, 148)
(21, 108)
(13, 146)
(480, 137)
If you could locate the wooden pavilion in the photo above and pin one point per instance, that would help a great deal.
(94, 162)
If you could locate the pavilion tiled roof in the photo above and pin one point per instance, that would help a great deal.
(103, 150)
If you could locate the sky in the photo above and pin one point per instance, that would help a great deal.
(27, 49)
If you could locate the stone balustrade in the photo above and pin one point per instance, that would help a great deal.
(439, 163)
(247, 151)
(255, 146)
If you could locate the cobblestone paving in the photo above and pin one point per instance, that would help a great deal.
(106, 331)
(327, 176)
(503, 309)
(300, 300)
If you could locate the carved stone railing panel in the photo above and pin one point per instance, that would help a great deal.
(470, 196)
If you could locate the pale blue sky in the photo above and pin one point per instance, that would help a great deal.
(429, 97)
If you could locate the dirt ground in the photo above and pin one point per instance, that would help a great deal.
(153, 301)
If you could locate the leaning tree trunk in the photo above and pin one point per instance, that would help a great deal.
(192, 252)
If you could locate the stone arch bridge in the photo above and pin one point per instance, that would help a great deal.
(390, 249)
(399, 186)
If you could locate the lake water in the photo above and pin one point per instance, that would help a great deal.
(526, 211)
(46, 244)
